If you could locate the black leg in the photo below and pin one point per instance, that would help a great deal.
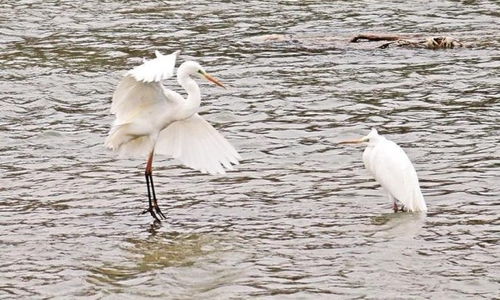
(155, 202)
(150, 209)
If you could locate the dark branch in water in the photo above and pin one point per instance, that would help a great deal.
(374, 37)
(441, 42)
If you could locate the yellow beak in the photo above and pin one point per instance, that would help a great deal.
(356, 141)
(214, 80)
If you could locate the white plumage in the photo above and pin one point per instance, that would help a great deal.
(393, 170)
(151, 119)
(160, 68)
(197, 145)
(148, 114)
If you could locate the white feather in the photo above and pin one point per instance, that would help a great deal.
(132, 98)
(197, 145)
(160, 68)
(393, 170)
(150, 117)
(130, 140)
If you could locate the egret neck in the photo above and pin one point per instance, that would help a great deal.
(193, 100)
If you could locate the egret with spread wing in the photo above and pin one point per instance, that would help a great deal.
(392, 169)
(151, 119)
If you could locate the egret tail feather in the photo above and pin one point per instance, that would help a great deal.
(128, 145)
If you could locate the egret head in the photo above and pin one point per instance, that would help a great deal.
(194, 68)
(371, 137)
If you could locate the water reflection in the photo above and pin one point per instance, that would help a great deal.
(399, 225)
(159, 251)
(191, 260)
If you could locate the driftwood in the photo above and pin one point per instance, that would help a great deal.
(360, 41)
(374, 37)
(441, 42)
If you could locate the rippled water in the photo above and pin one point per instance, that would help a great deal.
(300, 218)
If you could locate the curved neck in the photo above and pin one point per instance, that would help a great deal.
(193, 100)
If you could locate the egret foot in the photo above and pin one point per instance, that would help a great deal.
(150, 210)
(158, 210)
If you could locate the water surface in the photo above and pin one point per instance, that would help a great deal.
(300, 218)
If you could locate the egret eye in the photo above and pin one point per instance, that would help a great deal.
(200, 71)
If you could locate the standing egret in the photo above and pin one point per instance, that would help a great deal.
(393, 170)
(151, 119)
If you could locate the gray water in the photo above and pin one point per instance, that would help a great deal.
(300, 218)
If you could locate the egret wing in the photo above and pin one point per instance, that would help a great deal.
(133, 97)
(141, 89)
(139, 101)
(197, 145)
(392, 168)
(160, 68)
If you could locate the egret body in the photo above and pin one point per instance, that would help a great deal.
(151, 119)
(393, 170)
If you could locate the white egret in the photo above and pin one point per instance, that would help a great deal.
(151, 119)
(393, 170)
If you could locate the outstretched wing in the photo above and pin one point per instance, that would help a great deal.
(197, 145)
(140, 97)
(392, 168)
(160, 68)
(141, 89)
